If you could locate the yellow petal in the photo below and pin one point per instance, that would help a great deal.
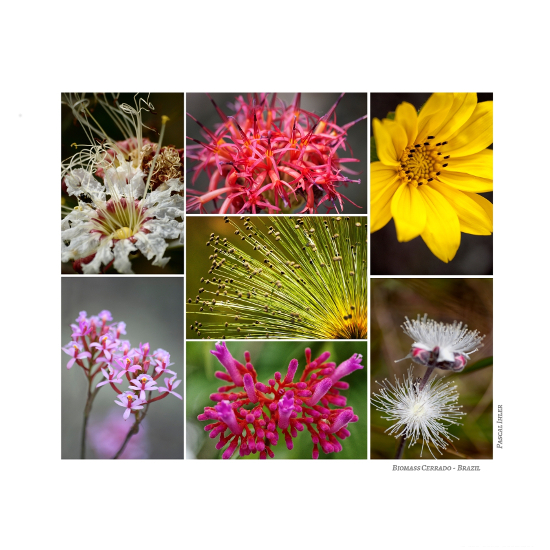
(384, 144)
(406, 116)
(380, 212)
(472, 217)
(442, 231)
(475, 135)
(433, 114)
(461, 110)
(485, 204)
(381, 177)
(409, 212)
(398, 136)
(466, 182)
(480, 164)
(383, 187)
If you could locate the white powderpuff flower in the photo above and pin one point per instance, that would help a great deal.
(116, 220)
(443, 345)
(426, 413)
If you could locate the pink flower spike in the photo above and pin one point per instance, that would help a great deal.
(347, 367)
(225, 358)
(227, 415)
(128, 399)
(171, 384)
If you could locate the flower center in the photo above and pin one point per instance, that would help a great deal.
(120, 218)
(422, 163)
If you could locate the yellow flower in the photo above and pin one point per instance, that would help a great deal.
(431, 167)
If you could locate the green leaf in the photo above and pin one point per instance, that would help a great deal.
(391, 115)
(481, 364)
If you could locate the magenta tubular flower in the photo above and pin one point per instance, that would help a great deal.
(224, 357)
(347, 367)
(253, 420)
(271, 157)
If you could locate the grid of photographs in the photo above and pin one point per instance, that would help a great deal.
(365, 292)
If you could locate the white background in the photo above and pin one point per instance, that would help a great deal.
(276, 46)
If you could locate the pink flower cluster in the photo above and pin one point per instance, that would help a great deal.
(251, 415)
(270, 156)
(97, 348)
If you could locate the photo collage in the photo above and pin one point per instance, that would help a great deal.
(346, 236)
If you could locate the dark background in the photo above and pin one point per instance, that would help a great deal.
(352, 107)
(390, 257)
(169, 104)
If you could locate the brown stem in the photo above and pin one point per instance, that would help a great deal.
(401, 448)
(424, 380)
(87, 409)
(133, 430)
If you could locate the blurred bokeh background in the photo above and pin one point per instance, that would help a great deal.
(444, 300)
(390, 257)
(352, 107)
(267, 358)
(152, 308)
(169, 104)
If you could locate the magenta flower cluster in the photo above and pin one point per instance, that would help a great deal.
(251, 415)
(98, 349)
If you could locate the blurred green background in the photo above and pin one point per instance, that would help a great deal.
(444, 300)
(267, 358)
(152, 309)
(169, 104)
(352, 107)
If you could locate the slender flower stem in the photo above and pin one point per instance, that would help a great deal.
(401, 448)
(133, 430)
(87, 409)
(424, 381)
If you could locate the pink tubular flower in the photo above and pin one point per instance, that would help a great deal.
(224, 357)
(128, 399)
(270, 156)
(347, 367)
(252, 417)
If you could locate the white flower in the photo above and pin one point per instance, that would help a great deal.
(129, 192)
(425, 413)
(118, 221)
(442, 345)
